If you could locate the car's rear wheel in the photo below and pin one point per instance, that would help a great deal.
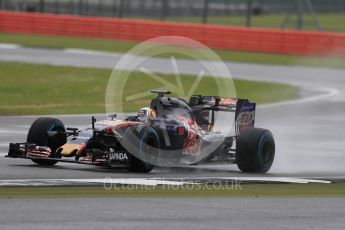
(38, 134)
(144, 149)
(255, 150)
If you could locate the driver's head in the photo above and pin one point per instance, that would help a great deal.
(144, 114)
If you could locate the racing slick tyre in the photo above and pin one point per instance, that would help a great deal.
(255, 149)
(38, 135)
(145, 145)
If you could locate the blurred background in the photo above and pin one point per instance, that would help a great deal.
(323, 15)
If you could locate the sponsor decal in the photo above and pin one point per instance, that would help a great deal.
(118, 156)
(227, 101)
(192, 143)
(246, 118)
(248, 107)
(39, 151)
(181, 130)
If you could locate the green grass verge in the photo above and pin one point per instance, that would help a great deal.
(249, 190)
(122, 46)
(45, 89)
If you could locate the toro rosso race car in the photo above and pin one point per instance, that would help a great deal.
(170, 132)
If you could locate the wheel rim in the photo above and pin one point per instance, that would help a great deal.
(149, 145)
(54, 145)
(150, 149)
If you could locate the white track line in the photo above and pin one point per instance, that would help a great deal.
(326, 93)
(88, 52)
(260, 179)
(102, 181)
(281, 179)
(153, 181)
(138, 181)
(11, 131)
(8, 46)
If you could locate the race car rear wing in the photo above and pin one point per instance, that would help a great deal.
(244, 110)
(244, 115)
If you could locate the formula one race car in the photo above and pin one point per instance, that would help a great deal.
(171, 132)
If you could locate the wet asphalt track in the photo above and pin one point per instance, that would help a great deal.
(172, 214)
(309, 138)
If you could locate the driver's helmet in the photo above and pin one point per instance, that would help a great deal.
(144, 114)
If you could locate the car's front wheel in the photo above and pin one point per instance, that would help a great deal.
(38, 134)
(144, 147)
